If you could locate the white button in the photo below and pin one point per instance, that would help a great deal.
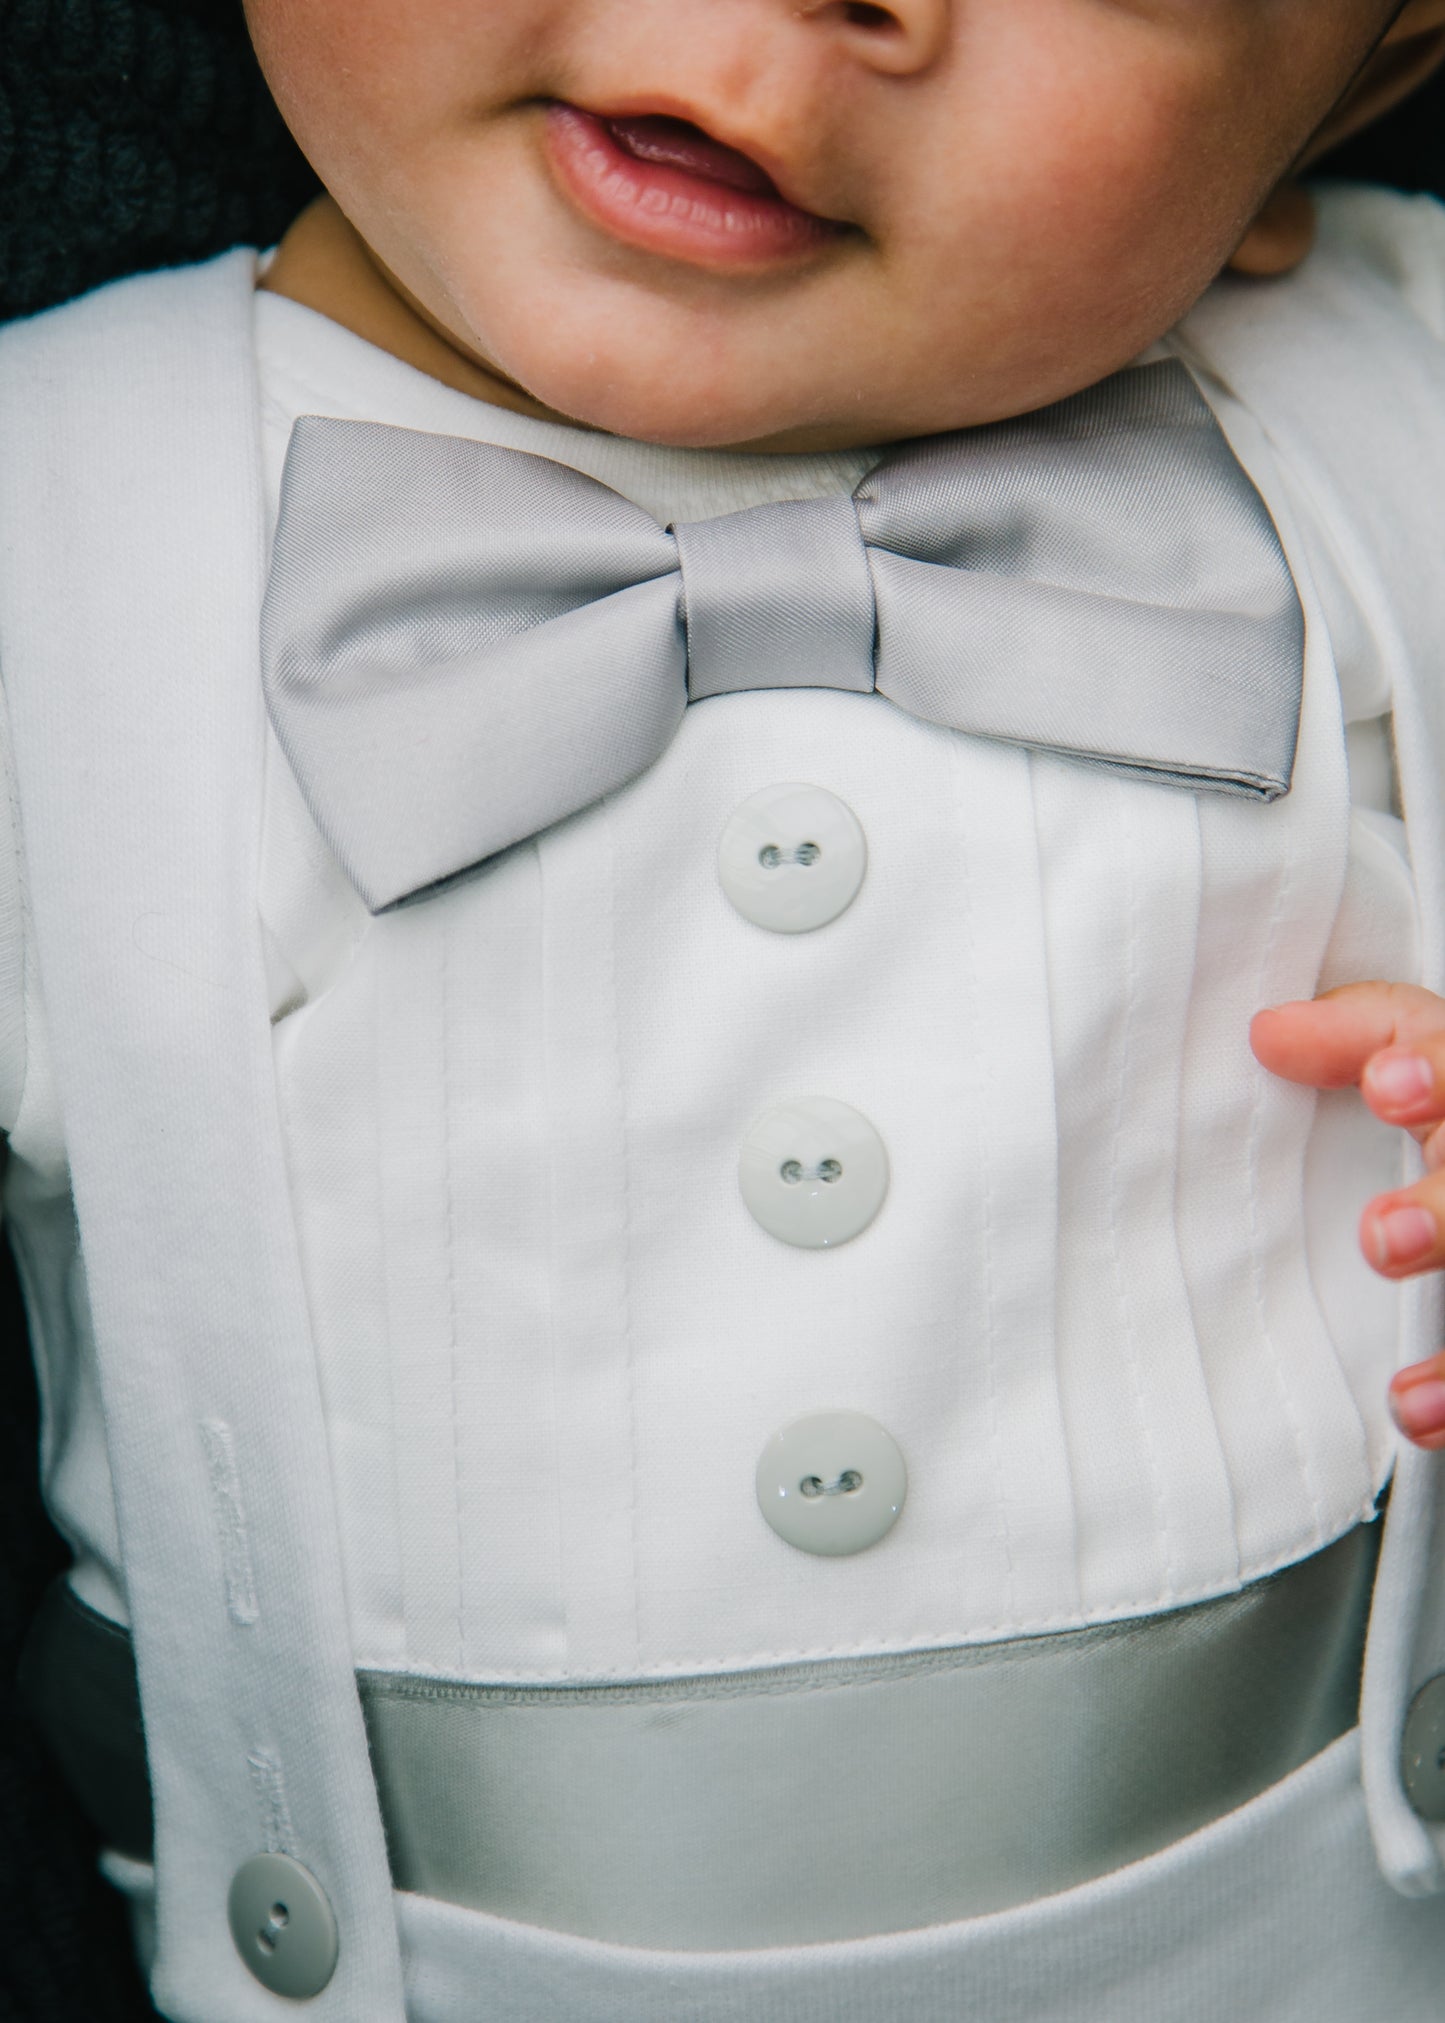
(792, 857)
(833, 1483)
(813, 1172)
(283, 1926)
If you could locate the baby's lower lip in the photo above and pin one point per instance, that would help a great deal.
(675, 210)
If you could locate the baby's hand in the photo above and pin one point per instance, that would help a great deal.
(1390, 1039)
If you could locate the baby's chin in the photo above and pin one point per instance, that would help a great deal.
(653, 406)
(745, 416)
(665, 386)
(648, 397)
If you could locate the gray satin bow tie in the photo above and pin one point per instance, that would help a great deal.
(462, 644)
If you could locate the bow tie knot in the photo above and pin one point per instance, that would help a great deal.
(463, 644)
(783, 588)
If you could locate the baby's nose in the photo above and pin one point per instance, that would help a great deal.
(900, 37)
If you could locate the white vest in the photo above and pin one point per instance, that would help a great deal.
(138, 753)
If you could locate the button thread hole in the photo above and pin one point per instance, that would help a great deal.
(277, 1919)
(847, 1484)
(772, 857)
(792, 1172)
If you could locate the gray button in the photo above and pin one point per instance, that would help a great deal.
(283, 1925)
(1422, 1750)
(833, 1483)
(792, 858)
(813, 1172)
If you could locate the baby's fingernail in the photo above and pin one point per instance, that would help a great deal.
(1402, 1234)
(1420, 1410)
(1400, 1078)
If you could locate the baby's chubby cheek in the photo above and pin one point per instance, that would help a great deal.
(1012, 198)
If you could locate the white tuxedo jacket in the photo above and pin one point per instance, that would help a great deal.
(128, 649)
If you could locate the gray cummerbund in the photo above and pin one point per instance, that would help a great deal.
(807, 1802)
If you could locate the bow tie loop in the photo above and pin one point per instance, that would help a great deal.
(777, 597)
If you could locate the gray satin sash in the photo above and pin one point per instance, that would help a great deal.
(463, 644)
(807, 1802)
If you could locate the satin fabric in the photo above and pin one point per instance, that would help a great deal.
(461, 645)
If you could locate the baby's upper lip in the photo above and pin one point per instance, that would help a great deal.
(660, 106)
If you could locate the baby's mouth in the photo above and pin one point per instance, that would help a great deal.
(678, 144)
(665, 185)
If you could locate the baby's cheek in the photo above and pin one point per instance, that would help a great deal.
(1126, 150)
(367, 80)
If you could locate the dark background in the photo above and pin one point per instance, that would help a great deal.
(135, 134)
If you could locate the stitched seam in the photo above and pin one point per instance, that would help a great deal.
(1121, 1291)
(823, 1676)
(268, 1783)
(1067, 1445)
(447, 925)
(377, 1136)
(980, 1635)
(1256, 1251)
(547, 1111)
(995, 1428)
(229, 1512)
(1184, 1181)
(628, 1210)
(943, 1642)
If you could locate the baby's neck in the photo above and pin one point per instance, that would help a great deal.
(324, 264)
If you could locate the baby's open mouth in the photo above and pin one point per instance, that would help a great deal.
(678, 144)
(661, 183)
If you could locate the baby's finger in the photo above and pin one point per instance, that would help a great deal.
(1417, 1402)
(1406, 1084)
(1403, 1232)
(1326, 1041)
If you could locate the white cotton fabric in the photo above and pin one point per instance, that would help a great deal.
(514, 1115)
(138, 766)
